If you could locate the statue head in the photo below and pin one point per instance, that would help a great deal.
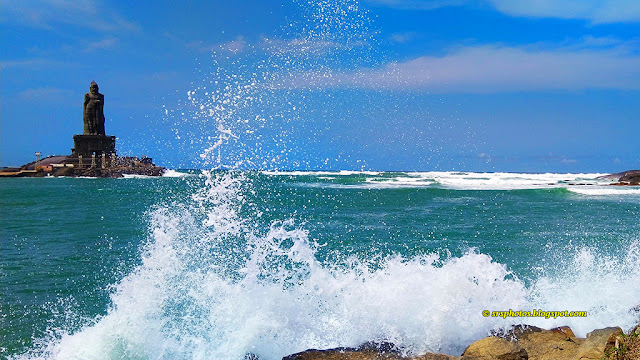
(93, 88)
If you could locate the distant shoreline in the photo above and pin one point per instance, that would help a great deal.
(68, 166)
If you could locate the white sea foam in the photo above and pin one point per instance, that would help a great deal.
(588, 184)
(213, 286)
(319, 173)
(506, 181)
(604, 191)
(136, 176)
(403, 181)
(369, 185)
(174, 173)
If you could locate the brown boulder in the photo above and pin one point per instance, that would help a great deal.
(517, 332)
(597, 342)
(495, 348)
(561, 343)
(432, 356)
(520, 343)
(557, 344)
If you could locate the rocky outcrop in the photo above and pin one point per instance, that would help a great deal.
(117, 169)
(597, 342)
(366, 351)
(120, 171)
(521, 343)
(631, 177)
(495, 348)
(561, 344)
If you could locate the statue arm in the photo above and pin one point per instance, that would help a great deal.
(86, 100)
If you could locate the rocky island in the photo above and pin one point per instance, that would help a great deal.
(630, 177)
(93, 154)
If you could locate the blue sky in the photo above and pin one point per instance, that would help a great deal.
(477, 85)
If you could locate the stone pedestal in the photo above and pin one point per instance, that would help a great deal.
(87, 145)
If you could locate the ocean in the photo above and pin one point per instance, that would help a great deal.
(221, 264)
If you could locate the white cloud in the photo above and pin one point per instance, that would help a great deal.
(490, 69)
(34, 64)
(402, 37)
(104, 44)
(83, 13)
(597, 11)
(44, 94)
(420, 4)
(568, 161)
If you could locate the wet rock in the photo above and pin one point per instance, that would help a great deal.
(366, 351)
(522, 342)
(497, 348)
(517, 332)
(343, 354)
(597, 342)
(562, 344)
(380, 346)
(564, 330)
(354, 354)
(63, 171)
(432, 356)
(556, 344)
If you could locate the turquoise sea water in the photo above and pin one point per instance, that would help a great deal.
(219, 265)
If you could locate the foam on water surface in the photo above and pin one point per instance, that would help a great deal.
(605, 191)
(174, 173)
(584, 184)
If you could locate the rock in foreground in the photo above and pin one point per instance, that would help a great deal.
(521, 343)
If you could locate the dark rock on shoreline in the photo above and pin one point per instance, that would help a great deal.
(630, 177)
(521, 343)
(368, 350)
(633, 178)
(114, 167)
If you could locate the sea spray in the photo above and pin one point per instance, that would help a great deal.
(588, 279)
(281, 299)
(240, 113)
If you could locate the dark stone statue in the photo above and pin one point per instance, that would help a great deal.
(93, 114)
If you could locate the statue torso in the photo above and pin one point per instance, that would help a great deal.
(93, 99)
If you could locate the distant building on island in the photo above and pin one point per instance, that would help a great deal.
(93, 154)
